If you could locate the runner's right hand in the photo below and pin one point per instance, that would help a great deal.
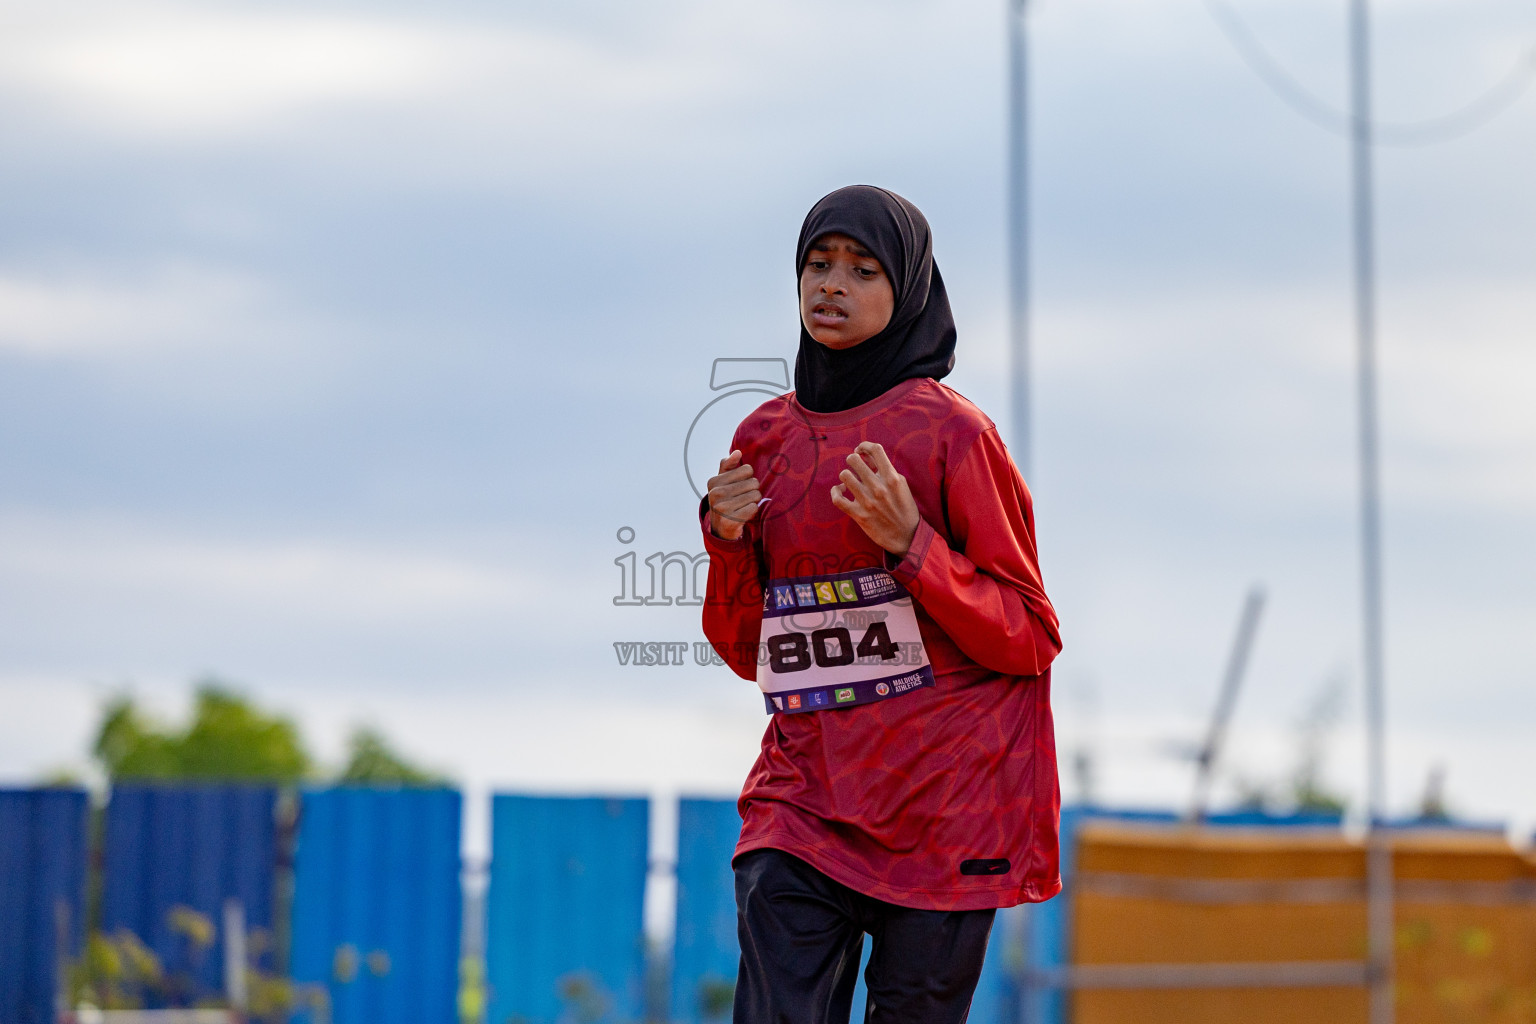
(733, 496)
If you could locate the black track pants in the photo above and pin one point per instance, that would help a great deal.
(802, 935)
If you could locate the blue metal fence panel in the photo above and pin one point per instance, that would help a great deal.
(377, 904)
(565, 909)
(997, 991)
(705, 954)
(1263, 819)
(860, 990)
(42, 881)
(169, 848)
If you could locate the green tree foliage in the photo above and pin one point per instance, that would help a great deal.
(1314, 735)
(228, 738)
(372, 762)
(119, 972)
(1306, 791)
(114, 972)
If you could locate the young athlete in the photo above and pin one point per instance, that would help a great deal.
(873, 569)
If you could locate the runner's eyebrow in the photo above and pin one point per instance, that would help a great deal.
(856, 249)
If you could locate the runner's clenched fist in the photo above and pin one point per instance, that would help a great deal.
(877, 497)
(733, 496)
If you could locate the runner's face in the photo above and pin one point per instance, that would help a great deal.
(845, 295)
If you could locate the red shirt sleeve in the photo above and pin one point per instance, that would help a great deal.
(733, 601)
(985, 591)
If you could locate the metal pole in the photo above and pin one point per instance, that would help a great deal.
(61, 946)
(1231, 681)
(1018, 331)
(234, 956)
(1378, 852)
(1018, 228)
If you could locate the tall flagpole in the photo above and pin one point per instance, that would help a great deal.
(1033, 1005)
(1378, 850)
(1018, 231)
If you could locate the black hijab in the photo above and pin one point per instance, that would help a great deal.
(920, 339)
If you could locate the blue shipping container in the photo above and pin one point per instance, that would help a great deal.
(997, 992)
(42, 879)
(705, 954)
(188, 847)
(565, 909)
(377, 904)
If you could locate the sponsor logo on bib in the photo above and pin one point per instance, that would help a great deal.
(883, 689)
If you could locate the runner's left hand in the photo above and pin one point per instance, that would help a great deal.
(877, 497)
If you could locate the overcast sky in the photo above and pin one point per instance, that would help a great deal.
(339, 340)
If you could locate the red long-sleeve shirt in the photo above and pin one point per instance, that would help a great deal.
(891, 798)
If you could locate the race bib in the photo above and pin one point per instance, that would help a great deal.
(839, 641)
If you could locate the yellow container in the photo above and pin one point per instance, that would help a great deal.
(1465, 922)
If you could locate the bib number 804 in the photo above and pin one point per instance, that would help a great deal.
(828, 648)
